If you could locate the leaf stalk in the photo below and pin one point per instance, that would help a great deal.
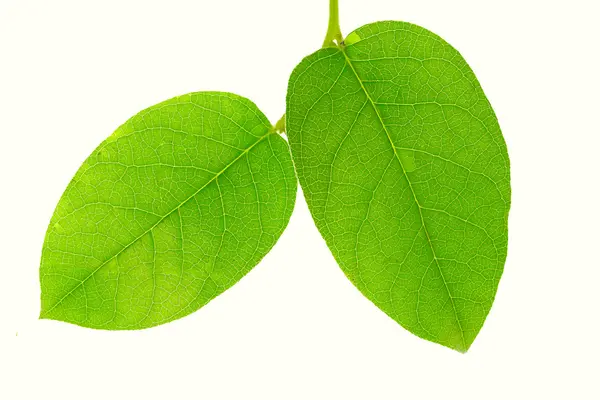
(280, 125)
(334, 33)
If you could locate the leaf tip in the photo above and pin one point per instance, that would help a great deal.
(43, 315)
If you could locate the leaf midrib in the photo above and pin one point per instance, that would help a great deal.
(242, 154)
(379, 117)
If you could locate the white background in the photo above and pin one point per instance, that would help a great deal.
(295, 328)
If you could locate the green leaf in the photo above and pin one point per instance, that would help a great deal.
(406, 174)
(171, 210)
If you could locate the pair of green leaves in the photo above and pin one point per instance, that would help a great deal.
(400, 158)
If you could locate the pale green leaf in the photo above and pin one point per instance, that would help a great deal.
(406, 173)
(171, 210)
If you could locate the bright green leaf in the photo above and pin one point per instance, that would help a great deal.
(171, 210)
(406, 174)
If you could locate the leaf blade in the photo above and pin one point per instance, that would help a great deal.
(373, 114)
(204, 160)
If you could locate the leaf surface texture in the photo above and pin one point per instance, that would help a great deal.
(406, 173)
(171, 210)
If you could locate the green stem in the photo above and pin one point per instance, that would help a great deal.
(334, 33)
(280, 125)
